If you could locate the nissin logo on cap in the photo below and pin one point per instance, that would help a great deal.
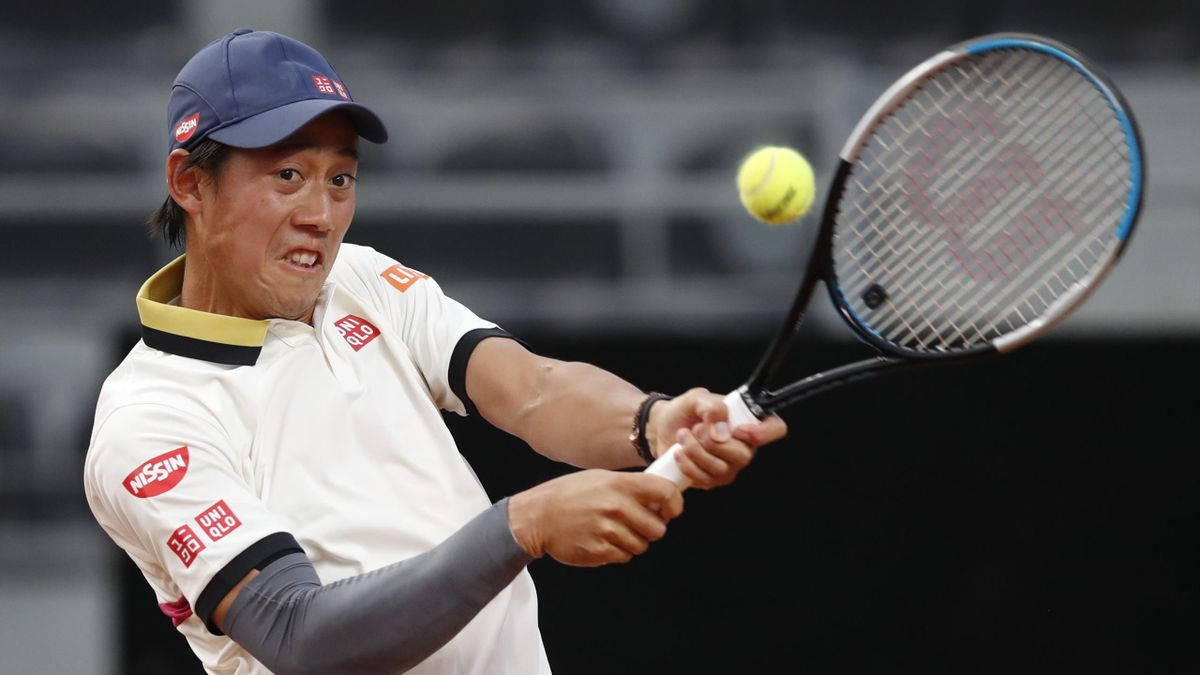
(187, 127)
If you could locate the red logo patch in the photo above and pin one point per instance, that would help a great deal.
(158, 474)
(185, 544)
(323, 84)
(218, 520)
(357, 330)
(187, 127)
(341, 89)
(402, 278)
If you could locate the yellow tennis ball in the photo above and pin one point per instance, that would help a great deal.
(776, 184)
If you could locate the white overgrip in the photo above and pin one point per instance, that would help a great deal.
(668, 468)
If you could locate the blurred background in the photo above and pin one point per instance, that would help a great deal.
(566, 169)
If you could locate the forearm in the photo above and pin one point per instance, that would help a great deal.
(580, 414)
(568, 411)
(386, 620)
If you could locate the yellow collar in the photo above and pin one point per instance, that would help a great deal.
(188, 332)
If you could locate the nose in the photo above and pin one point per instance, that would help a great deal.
(315, 210)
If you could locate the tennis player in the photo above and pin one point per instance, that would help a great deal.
(271, 453)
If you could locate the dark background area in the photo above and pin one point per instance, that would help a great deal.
(566, 169)
(1031, 513)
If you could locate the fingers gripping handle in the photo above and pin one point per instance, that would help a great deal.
(668, 468)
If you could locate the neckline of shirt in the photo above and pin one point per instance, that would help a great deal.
(216, 338)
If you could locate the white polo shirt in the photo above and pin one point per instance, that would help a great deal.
(221, 442)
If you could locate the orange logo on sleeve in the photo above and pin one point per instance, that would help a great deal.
(402, 278)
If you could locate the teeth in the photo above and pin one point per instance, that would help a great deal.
(302, 258)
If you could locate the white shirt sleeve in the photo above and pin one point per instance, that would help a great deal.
(430, 323)
(167, 488)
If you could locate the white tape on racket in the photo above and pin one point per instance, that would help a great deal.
(668, 468)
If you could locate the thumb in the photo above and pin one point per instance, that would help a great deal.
(652, 490)
(715, 415)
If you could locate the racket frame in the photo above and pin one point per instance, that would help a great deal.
(891, 357)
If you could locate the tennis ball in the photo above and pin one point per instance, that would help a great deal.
(776, 184)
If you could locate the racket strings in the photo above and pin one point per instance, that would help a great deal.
(995, 222)
(869, 217)
(991, 192)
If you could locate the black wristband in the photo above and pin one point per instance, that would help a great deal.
(638, 436)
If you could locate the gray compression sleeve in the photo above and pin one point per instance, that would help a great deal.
(387, 620)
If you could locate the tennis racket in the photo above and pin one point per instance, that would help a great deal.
(978, 202)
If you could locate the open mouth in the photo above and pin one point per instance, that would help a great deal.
(303, 259)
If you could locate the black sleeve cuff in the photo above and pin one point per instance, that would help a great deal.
(462, 354)
(257, 556)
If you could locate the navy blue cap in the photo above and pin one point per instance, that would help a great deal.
(251, 89)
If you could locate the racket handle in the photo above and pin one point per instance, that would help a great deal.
(666, 466)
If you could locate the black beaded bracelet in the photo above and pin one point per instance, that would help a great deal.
(638, 436)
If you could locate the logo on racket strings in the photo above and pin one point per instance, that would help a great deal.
(985, 254)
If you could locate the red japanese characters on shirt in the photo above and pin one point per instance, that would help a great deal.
(184, 543)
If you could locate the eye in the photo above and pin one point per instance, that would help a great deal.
(288, 175)
(343, 180)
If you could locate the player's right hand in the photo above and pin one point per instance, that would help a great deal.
(593, 517)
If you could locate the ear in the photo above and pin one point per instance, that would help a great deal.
(183, 182)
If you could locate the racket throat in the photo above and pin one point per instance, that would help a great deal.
(742, 399)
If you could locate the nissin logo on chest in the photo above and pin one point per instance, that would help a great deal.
(158, 474)
(357, 330)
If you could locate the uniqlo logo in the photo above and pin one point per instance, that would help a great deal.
(357, 330)
(341, 89)
(185, 544)
(187, 127)
(218, 520)
(323, 84)
(402, 278)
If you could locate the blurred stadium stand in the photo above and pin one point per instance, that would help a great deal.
(563, 168)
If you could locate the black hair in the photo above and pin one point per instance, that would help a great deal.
(169, 221)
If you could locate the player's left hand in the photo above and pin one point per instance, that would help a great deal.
(712, 452)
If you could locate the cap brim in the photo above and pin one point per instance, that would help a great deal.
(272, 126)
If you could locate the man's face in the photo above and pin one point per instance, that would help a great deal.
(272, 222)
